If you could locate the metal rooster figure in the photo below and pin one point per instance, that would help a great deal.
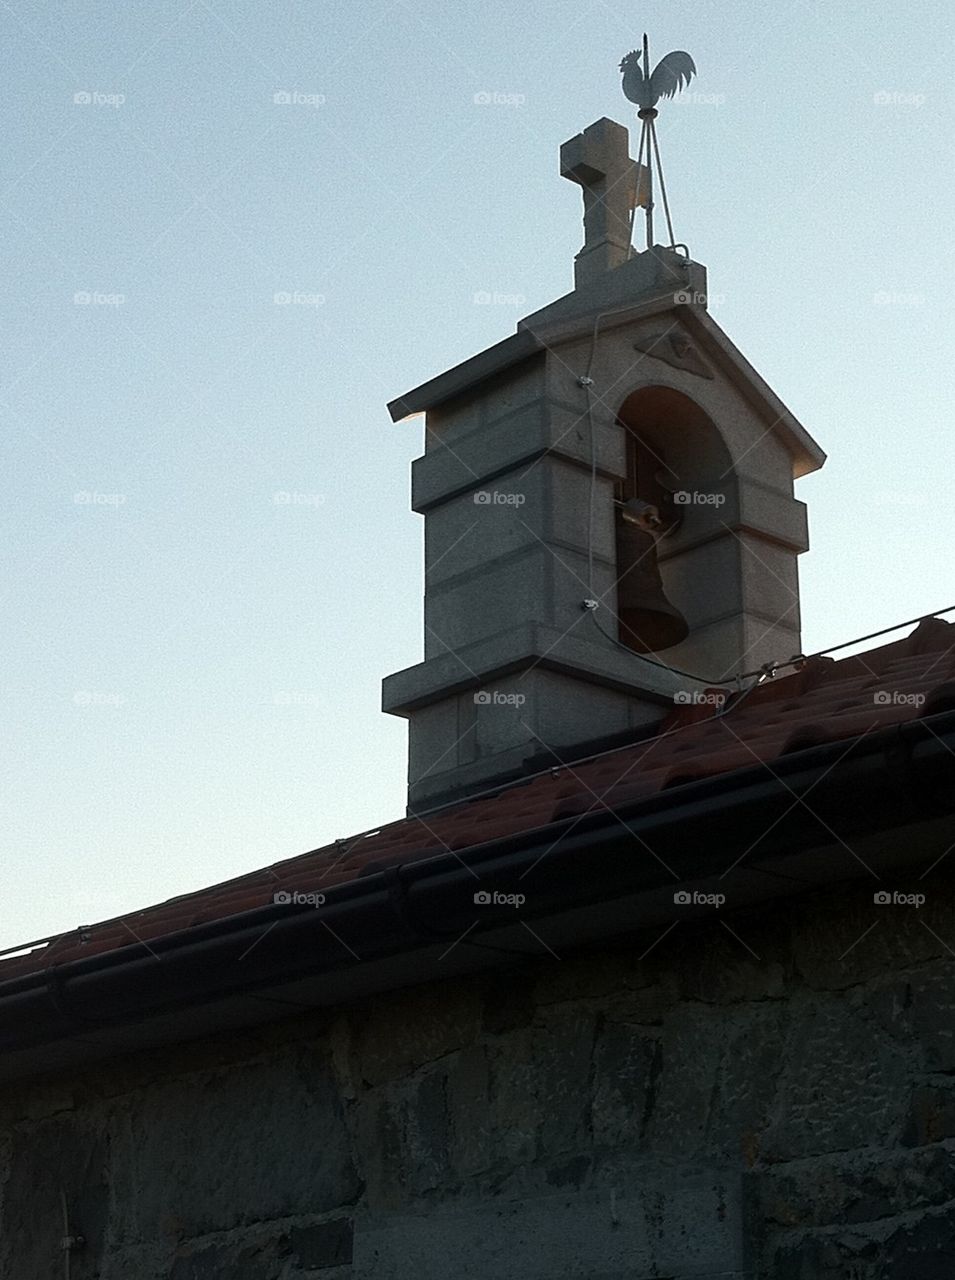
(671, 75)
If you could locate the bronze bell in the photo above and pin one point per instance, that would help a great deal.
(648, 621)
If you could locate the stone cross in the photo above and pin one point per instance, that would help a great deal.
(599, 161)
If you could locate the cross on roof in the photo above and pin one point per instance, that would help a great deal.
(599, 161)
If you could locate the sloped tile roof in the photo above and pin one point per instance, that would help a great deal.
(824, 701)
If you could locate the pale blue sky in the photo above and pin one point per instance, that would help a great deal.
(191, 671)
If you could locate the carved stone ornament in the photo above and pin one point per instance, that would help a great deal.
(675, 349)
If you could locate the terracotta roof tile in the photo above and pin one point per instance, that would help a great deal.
(821, 701)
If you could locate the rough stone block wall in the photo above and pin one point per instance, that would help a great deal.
(766, 1094)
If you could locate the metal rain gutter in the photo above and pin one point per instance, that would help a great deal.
(889, 778)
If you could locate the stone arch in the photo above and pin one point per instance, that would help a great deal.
(677, 460)
(671, 426)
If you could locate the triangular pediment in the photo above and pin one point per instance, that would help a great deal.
(683, 336)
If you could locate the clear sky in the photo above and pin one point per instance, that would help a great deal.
(191, 668)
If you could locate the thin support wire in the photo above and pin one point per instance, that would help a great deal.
(663, 189)
(633, 211)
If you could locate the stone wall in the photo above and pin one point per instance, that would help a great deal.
(770, 1096)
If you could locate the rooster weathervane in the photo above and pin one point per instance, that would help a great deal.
(670, 76)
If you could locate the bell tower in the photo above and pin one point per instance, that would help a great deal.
(610, 523)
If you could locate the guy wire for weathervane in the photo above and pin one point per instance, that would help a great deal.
(671, 74)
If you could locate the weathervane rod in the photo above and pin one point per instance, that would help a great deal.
(645, 88)
(648, 130)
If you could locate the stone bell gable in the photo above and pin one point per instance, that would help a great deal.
(626, 388)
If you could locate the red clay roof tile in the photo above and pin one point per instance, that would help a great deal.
(820, 701)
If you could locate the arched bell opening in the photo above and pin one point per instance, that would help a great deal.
(673, 452)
